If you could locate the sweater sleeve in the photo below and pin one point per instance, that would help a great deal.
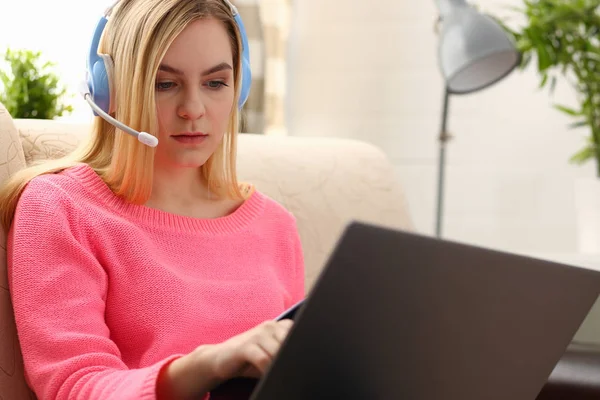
(58, 291)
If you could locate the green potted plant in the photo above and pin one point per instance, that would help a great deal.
(563, 37)
(30, 88)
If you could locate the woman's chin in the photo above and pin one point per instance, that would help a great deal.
(191, 164)
(185, 162)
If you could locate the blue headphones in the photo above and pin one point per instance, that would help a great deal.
(99, 66)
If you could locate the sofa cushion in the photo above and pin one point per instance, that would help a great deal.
(325, 183)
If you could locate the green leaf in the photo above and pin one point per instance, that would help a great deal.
(553, 84)
(568, 110)
(582, 156)
(526, 58)
(544, 57)
(578, 124)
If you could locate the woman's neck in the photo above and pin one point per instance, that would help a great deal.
(184, 191)
(178, 187)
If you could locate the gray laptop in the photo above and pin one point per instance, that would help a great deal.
(396, 315)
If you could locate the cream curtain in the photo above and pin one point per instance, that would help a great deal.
(267, 24)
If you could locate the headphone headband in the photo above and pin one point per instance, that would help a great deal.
(232, 7)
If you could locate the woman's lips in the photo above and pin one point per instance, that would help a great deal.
(190, 138)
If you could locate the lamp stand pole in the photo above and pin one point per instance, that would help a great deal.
(443, 138)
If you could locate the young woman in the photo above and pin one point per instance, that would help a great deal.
(142, 272)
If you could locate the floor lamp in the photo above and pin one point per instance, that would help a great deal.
(474, 52)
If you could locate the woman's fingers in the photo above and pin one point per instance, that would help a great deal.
(250, 353)
(282, 328)
(266, 343)
(258, 357)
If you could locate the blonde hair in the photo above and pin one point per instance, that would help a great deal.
(137, 36)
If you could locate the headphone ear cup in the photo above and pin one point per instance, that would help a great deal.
(100, 83)
(109, 67)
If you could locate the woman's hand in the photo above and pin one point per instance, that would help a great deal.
(248, 354)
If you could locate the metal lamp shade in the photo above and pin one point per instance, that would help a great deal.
(474, 50)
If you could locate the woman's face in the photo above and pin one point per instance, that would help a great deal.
(194, 95)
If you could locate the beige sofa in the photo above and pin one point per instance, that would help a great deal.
(325, 183)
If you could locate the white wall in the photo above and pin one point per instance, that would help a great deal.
(368, 70)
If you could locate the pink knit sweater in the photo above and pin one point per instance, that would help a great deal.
(106, 292)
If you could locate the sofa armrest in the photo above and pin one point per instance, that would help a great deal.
(12, 158)
(576, 376)
(46, 140)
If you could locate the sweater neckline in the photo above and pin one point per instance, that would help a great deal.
(235, 221)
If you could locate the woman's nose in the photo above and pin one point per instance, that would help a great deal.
(192, 106)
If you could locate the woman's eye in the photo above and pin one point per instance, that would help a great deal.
(164, 85)
(216, 84)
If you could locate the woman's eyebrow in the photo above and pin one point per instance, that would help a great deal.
(219, 67)
(168, 68)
